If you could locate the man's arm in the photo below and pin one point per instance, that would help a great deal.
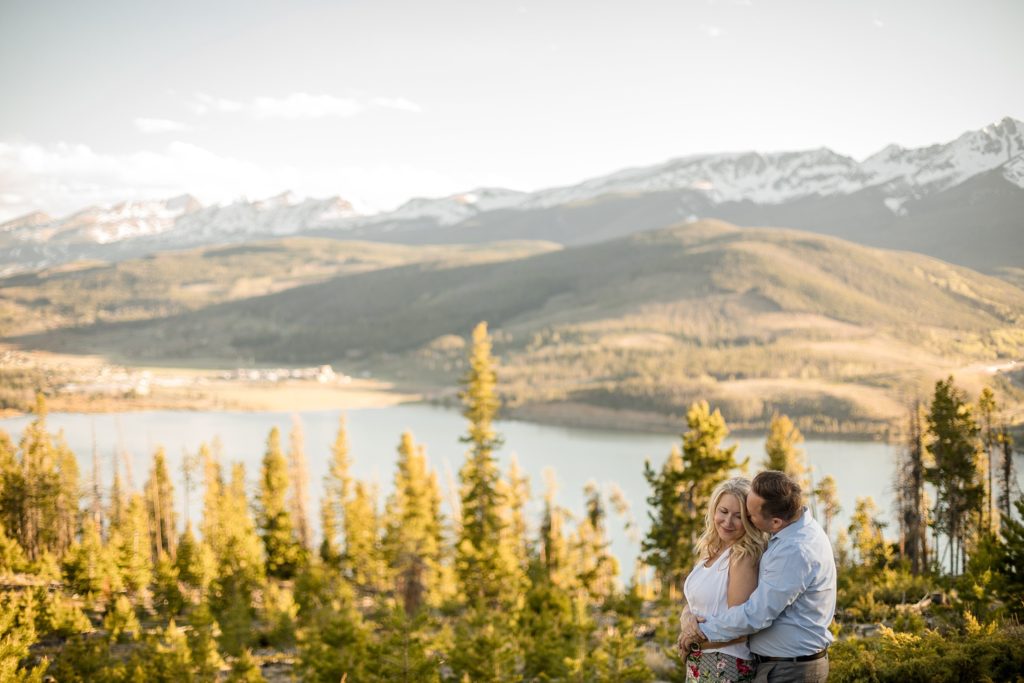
(783, 577)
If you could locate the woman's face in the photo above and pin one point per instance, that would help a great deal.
(729, 519)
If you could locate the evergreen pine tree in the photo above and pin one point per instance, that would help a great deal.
(95, 512)
(299, 474)
(337, 494)
(17, 634)
(400, 651)
(160, 508)
(37, 525)
(554, 554)
(166, 659)
(284, 553)
(827, 495)
(1007, 478)
(245, 669)
(595, 568)
(782, 451)
(547, 627)
(619, 658)
(484, 564)
(681, 493)
(330, 551)
(411, 538)
(120, 621)
(912, 509)
(168, 599)
(130, 540)
(56, 616)
(866, 534)
(67, 513)
(118, 503)
(12, 557)
(1011, 566)
(195, 561)
(987, 412)
(516, 492)
(664, 548)
(13, 491)
(278, 616)
(486, 646)
(89, 568)
(363, 558)
(234, 614)
(212, 525)
(334, 643)
(245, 557)
(240, 568)
(204, 631)
(955, 449)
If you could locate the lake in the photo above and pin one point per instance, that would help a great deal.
(609, 458)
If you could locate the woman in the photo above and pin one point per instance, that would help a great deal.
(725, 575)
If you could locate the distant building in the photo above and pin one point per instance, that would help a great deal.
(325, 374)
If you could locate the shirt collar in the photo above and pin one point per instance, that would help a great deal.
(795, 526)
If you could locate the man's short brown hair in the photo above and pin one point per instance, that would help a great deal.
(781, 494)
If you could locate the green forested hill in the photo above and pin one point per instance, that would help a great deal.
(833, 333)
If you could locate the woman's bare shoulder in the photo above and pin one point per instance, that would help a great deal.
(743, 561)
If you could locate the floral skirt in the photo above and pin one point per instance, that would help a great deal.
(718, 666)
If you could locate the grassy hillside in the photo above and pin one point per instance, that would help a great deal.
(837, 335)
(173, 282)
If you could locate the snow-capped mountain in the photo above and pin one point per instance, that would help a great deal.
(124, 221)
(780, 177)
(750, 187)
(182, 219)
(284, 214)
(133, 228)
(454, 208)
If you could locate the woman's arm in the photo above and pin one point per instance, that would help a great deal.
(742, 580)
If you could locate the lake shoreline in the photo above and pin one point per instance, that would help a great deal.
(581, 416)
(372, 394)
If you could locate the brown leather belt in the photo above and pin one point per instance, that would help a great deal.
(804, 658)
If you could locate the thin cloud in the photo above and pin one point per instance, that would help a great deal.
(300, 106)
(878, 23)
(711, 31)
(160, 125)
(206, 103)
(399, 103)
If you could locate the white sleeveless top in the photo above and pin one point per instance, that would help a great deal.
(706, 593)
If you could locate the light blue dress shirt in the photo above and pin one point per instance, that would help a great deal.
(789, 613)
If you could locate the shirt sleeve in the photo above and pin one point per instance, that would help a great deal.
(782, 578)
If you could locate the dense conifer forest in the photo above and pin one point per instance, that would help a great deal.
(100, 581)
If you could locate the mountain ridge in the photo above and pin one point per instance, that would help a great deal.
(706, 185)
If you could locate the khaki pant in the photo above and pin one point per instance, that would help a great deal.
(793, 672)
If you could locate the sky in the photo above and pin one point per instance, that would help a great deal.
(378, 102)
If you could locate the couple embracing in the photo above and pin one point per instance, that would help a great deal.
(762, 592)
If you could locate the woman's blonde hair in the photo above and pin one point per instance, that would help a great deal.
(751, 544)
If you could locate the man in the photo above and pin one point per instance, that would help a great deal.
(789, 613)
